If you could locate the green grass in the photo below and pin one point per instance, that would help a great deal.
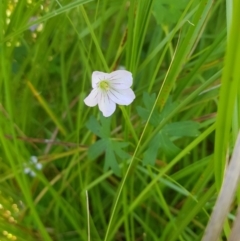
(172, 144)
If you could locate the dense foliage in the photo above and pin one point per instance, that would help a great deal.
(151, 171)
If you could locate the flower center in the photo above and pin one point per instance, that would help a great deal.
(104, 85)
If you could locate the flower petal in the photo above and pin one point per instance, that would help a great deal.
(122, 97)
(92, 99)
(97, 76)
(32, 174)
(39, 166)
(121, 79)
(27, 170)
(106, 105)
(33, 159)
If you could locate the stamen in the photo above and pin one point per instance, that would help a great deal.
(104, 85)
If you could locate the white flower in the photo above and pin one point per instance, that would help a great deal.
(33, 159)
(109, 90)
(35, 26)
(33, 164)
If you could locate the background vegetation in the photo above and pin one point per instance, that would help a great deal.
(160, 170)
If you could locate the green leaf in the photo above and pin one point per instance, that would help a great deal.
(94, 126)
(182, 128)
(110, 160)
(167, 146)
(163, 140)
(106, 144)
(168, 108)
(97, 149)
(168, 11)
(102, 130)
(156, 117)
(150, 155)
(117, 147)
(106, 122)
(148, 99)
(20, 54)
(144, 113)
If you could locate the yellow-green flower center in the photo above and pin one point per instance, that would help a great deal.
(104, 85)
